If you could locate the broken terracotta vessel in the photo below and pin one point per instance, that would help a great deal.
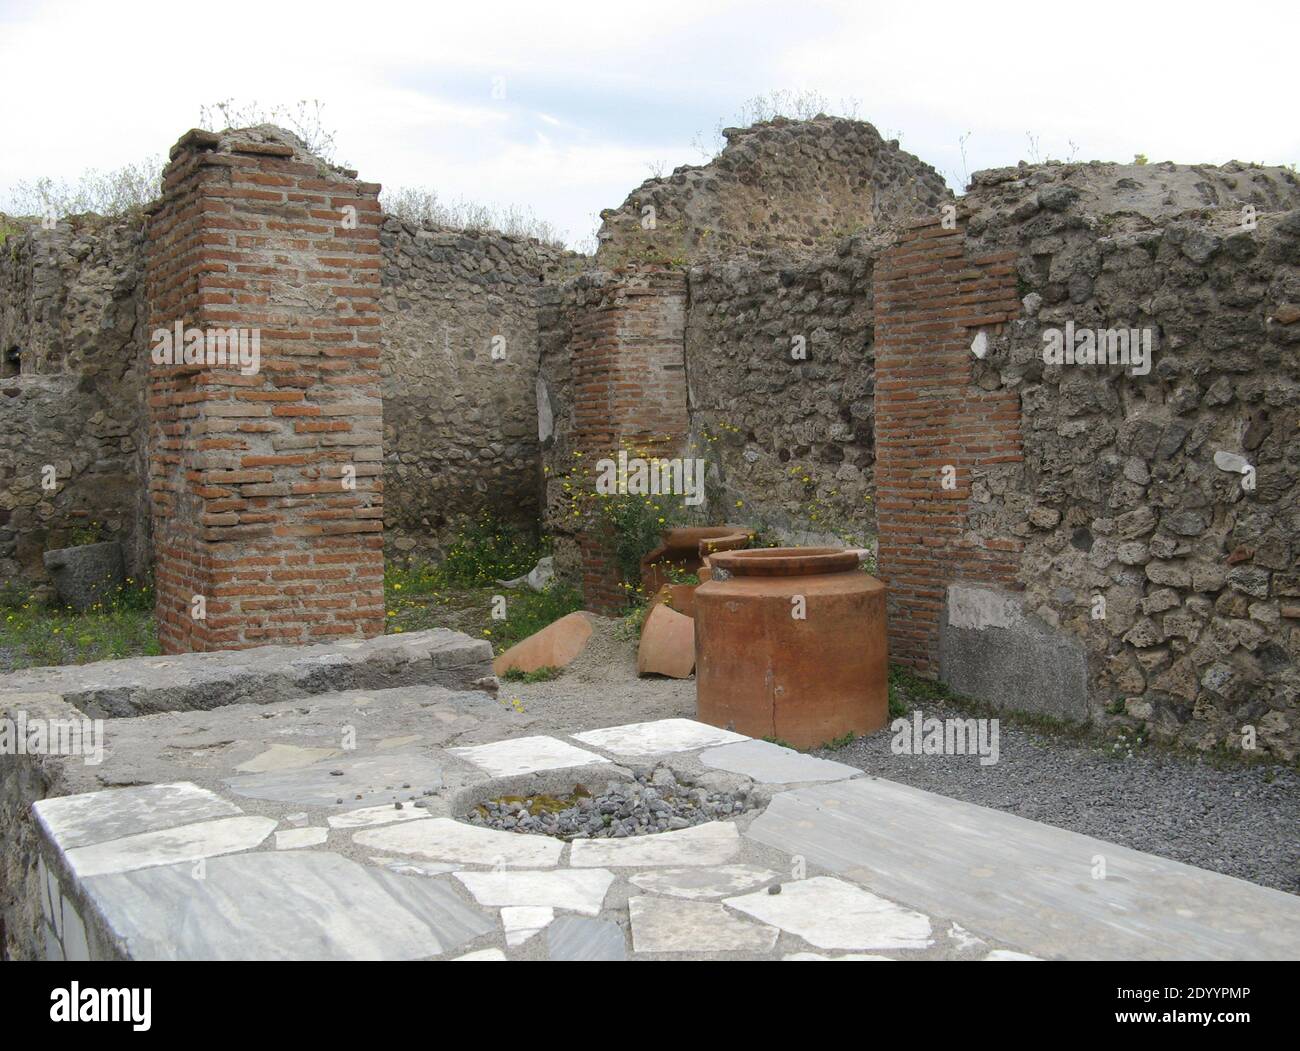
(790, 645)
(684, 549)
(555, 646)
(667, 643)
(680, 597)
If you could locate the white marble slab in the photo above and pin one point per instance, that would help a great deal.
(443, 839)
(770, 763)
(96, 817)
(831, 914)
(578, 890)
(700, 883)
(494, 955)
(298, 838)
(677, 925)
(713, 843)
(521, 922)
(378, 815)
(659, 736)
(294, 905)
(526, 755)
(1007, 954)
(404, 867)
(1024, 883)
(206, 839)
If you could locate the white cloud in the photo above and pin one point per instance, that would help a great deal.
(598, 91)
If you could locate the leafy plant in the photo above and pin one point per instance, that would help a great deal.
(543, 674)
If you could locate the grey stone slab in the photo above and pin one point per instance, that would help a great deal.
(284, 906)
(772, 764)
(374, 778)
(1025, 884)
(991, 649)
(262, 675)
(96, 817)
(580, 938)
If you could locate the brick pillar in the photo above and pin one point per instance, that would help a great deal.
(931, 300)
(629, 389)
(265, 487)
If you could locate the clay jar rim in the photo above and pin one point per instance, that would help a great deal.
(785, 561)
(690, 536)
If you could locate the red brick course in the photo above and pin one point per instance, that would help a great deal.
(931, 299)
(247, 473)
(629, 391)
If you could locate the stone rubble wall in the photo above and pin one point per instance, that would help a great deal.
(780, 365)
(612, 377)
(781, 185)
(1119, 496)
(460, 353)
(71, 391)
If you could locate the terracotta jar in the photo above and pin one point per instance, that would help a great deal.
(683, 550)
(790, 645)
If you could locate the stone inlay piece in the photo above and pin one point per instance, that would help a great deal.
(675, 925)
(377, 815)
(96, 817)
(526, 755)
(700, 883)
(494, 955)
(285, 757)
(836, 959)
(521, 922)
(772, 764)
(714, 843)
(655, 738)
(297, 838)
(443, 839)
(311, 905)
(413, 868)
(374, 778)
(580, 938)
(206, 839)
(578, 890)
(831, 914)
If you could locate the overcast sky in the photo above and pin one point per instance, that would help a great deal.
(597, 93)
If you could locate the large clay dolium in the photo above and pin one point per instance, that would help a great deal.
(762, 671)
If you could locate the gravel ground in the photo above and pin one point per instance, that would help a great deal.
(654, 802)
(1241, 821)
